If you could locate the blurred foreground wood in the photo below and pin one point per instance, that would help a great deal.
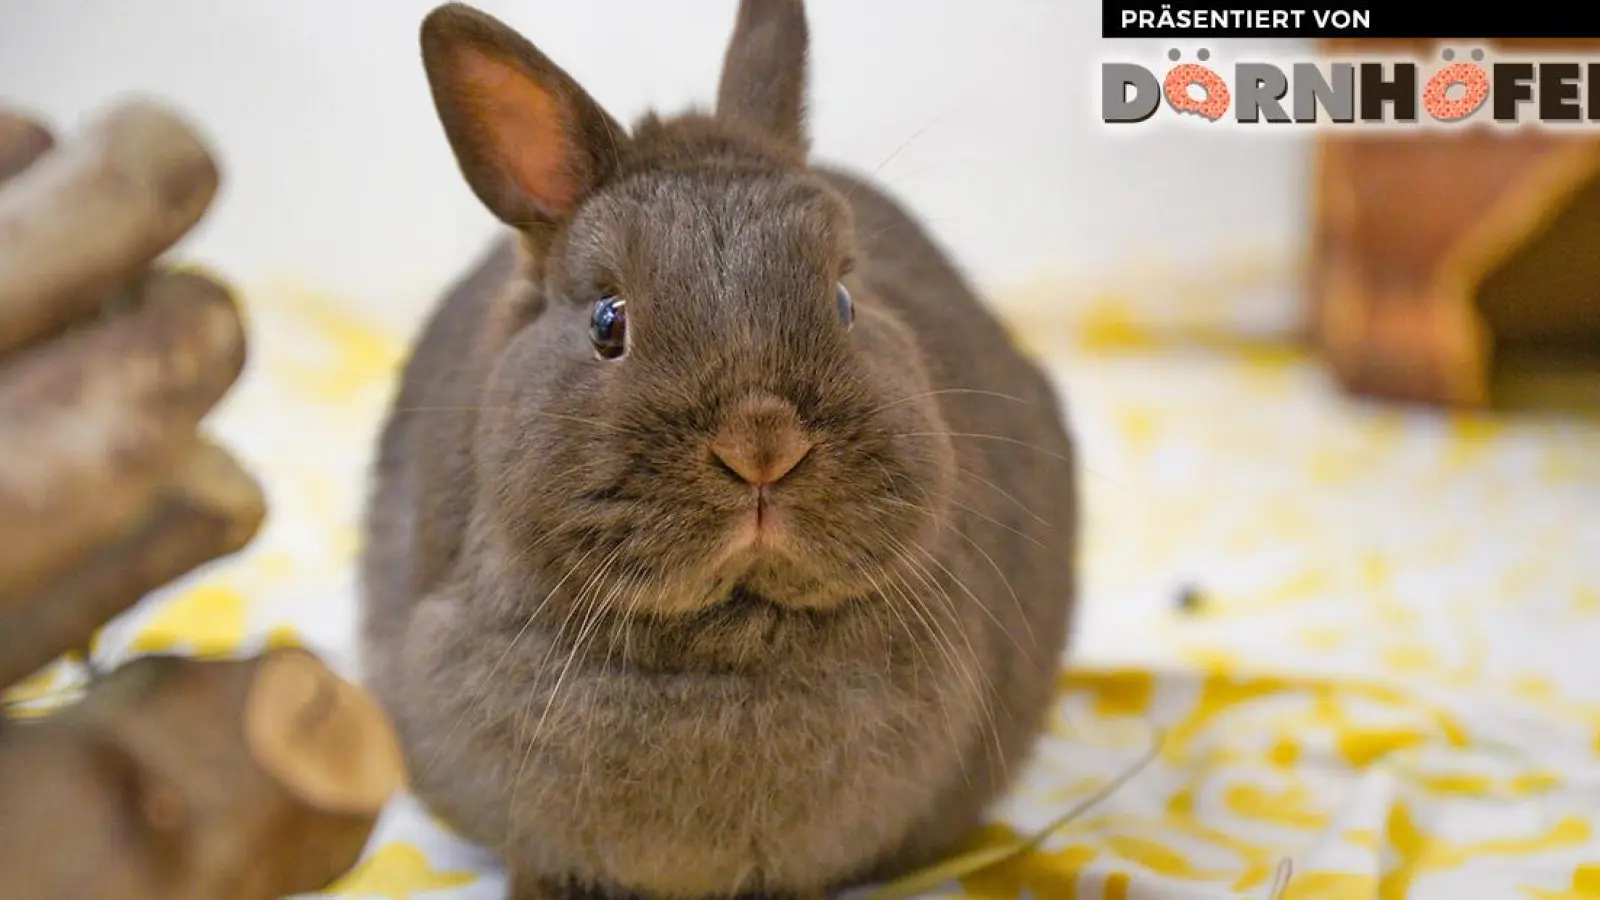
(1438, 256)
(225, 779)
(218, 780)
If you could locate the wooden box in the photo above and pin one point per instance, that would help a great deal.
(1439, 257)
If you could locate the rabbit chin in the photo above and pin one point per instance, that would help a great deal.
(764, 561)
(744, 577)
(757, 576)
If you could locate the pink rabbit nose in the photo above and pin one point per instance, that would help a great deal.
(761, 442)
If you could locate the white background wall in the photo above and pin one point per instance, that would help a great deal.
(983, 115)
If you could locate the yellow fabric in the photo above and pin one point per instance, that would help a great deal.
(1389, 679)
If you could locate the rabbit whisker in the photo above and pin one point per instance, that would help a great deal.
(621, 625)
(962, 506)
(939, 592)
(594, 606)
(997, 489)
(901, 620)
(527, 623)
(977, 678)
(521, 411)
(988, 437)
(579, 603)
(943, 391)
(982, 606)
(987, 558)
(946, 652)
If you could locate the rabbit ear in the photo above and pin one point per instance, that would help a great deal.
(764, 71)
(529, 140)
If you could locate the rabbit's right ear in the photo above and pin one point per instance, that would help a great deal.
(529, 140)
(764, 69)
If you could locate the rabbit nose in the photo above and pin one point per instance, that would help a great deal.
(762, 460)
(761, 442)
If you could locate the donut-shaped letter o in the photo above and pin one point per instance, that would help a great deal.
(1436, 95)
(1181, 78)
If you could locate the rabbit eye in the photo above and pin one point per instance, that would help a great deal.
(845, 305)
(608, 328)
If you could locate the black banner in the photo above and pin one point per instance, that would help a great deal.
(1395, 19)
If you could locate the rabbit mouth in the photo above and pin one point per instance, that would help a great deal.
(766, 559)
(762, 528)
(745, 595)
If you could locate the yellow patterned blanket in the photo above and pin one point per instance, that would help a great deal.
(1360, 634)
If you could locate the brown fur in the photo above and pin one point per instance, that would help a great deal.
(589, 671)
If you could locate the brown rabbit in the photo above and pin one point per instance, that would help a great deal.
(721, 544)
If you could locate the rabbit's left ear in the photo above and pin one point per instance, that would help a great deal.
(764, 70)
(531, 143)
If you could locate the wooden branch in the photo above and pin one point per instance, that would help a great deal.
(93, 422)
(216, 780)
(1410, 296)
(90, 215)
(211, 509)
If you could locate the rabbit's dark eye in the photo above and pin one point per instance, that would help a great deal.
(608, 328)
(846, 306)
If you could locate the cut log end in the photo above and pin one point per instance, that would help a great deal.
(156, 751)
(94, 212)
(325, 741)
(155, 140)
(22, 142)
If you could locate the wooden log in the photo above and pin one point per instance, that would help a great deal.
(1410, 299)
(22, 142)
(211, 780)
(92, 214)
(208, 780)
(92, 423)
(210, 509)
